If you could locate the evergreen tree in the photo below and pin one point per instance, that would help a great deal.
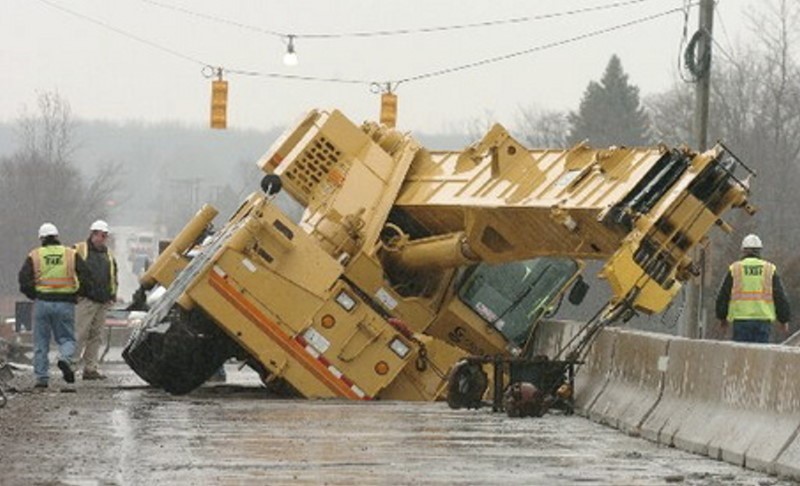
(610, 113)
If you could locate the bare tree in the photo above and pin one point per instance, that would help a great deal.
(477, 127)
(541, 128)
(40, 183)
(755, 110)
(49, 133)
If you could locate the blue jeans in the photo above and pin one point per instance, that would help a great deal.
(751, 331)
(58, 319)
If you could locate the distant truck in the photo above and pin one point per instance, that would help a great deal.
(406, 261)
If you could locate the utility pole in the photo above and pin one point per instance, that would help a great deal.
(694, 315)
(702, 87)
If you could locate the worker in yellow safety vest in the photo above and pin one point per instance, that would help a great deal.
(53, 276)
(90, 313)
(752, 297)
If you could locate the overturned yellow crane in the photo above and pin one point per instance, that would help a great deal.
(406, 260)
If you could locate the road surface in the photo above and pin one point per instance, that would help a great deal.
(119, 431)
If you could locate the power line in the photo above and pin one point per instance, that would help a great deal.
(394, 32)
(727, 37)
(491, 60)
(216, 19)
(418, 77)
(185, 57)
(123, 33)
(542, 47)
(725, 53)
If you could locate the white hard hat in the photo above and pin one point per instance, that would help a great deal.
(752, 242)
(99, 225)
(48, 229)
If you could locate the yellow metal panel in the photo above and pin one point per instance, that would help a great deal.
(425, 382)
(358, 341)
(262, 334)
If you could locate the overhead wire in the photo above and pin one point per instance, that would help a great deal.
(122, 32)
(395, 32)
(542, 47)
(722, 24)
(722, 49)
(371, 83)
(204, 64)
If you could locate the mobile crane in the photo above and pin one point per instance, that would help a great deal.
(407, 261)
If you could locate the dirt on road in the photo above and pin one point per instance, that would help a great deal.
(119, 431)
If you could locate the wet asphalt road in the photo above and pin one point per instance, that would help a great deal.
(121, 432)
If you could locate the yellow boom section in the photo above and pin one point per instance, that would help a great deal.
(641, 210)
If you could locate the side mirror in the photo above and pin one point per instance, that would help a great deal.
(578, 291)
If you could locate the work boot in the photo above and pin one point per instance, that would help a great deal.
(93, 375)
(66, 371)
(40, 384)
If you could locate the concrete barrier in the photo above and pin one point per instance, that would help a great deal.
(692, 387)
(735, 402)
(551, 336)
(788, 463)
(634, 382)
(592, 377)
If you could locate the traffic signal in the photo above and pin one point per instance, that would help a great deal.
(389, 109)
(219, 103)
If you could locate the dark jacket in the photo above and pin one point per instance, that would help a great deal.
(98, 264)
(27, 279)
(782, 311)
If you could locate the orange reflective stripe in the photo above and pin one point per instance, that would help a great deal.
(291, 346)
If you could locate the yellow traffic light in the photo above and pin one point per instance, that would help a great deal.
(389, 109)
(219, 102)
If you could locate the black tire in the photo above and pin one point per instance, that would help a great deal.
(466, 385)
(182, 357)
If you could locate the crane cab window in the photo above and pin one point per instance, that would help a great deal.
(511, 297)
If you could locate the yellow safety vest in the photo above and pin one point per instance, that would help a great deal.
(54, 270)
(83, 250)
(751, 293)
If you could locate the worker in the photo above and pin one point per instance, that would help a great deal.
(752, 296)
(91, 310)
(52, 276)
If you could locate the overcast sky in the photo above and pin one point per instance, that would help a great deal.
(106, 74)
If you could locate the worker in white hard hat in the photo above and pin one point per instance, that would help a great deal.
(90, 313)
(53, 276)
(751, 296)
